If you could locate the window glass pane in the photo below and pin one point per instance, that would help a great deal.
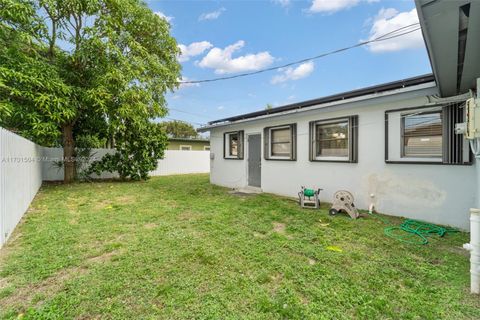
(233, 144)
(281, 149)
(422, 135)
(280, 142)
(332, 139)
(281, 135)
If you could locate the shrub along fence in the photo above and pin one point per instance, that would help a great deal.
(24, 165)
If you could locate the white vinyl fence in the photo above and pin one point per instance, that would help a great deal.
(174, 162)
(20, 179)
(24, 165)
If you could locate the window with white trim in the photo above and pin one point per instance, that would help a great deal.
(206, 148)
(233, 145)
(185, 148)
(334, 139)
(280, 142)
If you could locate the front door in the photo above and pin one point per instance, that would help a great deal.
(254, 160)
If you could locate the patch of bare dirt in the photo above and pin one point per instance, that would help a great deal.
(23, 296)
(187, 215)
(279, 227)
(47, 288)
(150, 226)
(103, 204)
(125, 199)
(107, 256)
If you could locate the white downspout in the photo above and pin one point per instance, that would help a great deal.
(474, 248)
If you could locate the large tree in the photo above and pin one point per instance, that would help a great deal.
(74, 68)
(179, 129)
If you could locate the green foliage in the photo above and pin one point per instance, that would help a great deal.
(33, 97)
(179, 129)
(138, 149)
(116, 62)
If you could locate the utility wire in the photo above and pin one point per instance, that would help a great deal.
(389, 35)
(190, 113)
(383, 37)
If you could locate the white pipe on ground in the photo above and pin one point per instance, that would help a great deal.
(474, 248)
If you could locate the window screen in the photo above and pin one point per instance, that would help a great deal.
(281, 142)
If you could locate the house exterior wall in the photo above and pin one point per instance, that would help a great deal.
(196, 145)
(439, 193)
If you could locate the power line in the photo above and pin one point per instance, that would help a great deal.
(383, 37)
(190, 113)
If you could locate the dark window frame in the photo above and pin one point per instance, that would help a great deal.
(352, 139)
(267, 143)
(240, 143)
(447, 133)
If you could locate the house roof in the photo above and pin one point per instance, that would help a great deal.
(332, 98)
(451, 30)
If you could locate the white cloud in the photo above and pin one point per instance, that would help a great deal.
(302, 71)
(193, 49)
(331, 6)
(388, 20)
(211, 15)
(220, 108)
(283, 3)
(187, 85)
(221, 60)
(164, 16)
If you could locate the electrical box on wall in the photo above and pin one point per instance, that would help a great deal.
(473, 118)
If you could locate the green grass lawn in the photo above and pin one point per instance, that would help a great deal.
(179, 248)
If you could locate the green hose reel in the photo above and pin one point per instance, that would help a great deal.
(308, 192)
(305, 198)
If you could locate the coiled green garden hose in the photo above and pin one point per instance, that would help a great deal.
(416, 232)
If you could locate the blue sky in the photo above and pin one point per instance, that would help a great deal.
(222, 38)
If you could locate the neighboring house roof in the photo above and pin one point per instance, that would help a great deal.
(190, 139)
(400, 84)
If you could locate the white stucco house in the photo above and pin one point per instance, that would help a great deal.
(392, 144)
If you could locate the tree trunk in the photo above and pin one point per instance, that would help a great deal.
(68, 153)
